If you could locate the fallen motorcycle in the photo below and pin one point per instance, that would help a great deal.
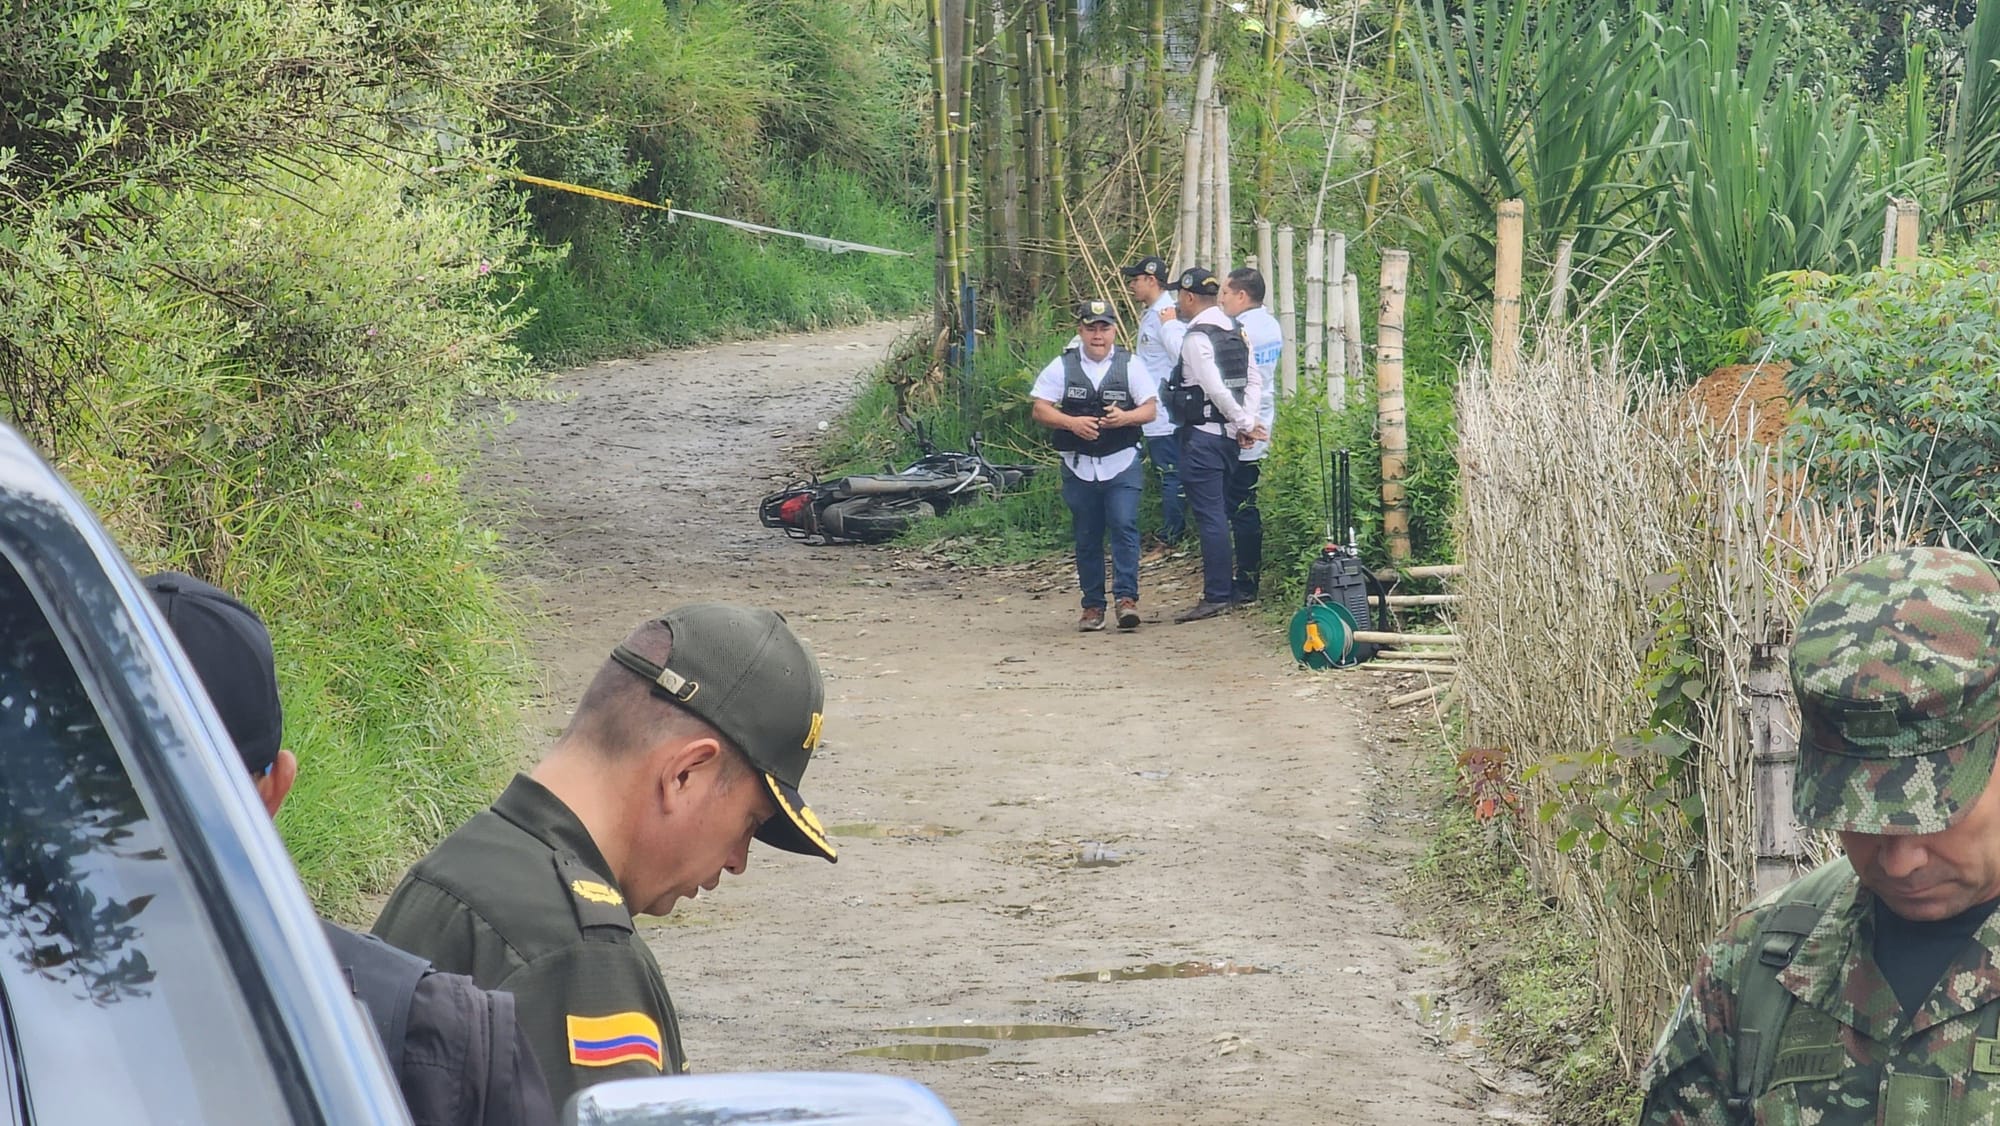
(878, 507)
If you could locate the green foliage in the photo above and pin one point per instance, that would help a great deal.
(801, 115)
(1768, 175)
(245, 281)
(1550, 104)
(1896, 374)
(1972, 151)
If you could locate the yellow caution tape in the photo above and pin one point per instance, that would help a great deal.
(579, 189)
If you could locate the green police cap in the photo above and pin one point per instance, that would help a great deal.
(745, 673)
(1897, 676)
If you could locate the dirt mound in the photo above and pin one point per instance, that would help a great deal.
(1746, 398)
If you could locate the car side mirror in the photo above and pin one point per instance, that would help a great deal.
(790, 1097)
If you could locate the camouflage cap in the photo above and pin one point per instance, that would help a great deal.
(1896, 668)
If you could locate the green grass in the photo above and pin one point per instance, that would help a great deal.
(1528, 962)
(629, 284)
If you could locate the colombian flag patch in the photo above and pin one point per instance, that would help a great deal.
(618, 1038)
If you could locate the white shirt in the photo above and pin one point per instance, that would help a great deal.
(1267, 345)
(1198, 367)
(1049, 389)
(1159, 347)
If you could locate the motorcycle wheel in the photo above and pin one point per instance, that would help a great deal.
(868, 520)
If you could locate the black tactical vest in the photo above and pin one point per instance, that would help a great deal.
(1187, 402)
(1080, 398)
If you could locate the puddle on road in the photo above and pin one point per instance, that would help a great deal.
(922, 1051)
(1436, 1014)
(925, 832)
(1158, 970)
(996, 1031)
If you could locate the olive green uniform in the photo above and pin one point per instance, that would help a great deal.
(521, 899)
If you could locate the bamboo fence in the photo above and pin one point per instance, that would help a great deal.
(1595, 506)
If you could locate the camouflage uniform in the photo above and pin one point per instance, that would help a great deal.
(1895, 668)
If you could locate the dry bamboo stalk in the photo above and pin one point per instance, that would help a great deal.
(1186, 236)
(1156, 88)
(1315, 357)
(1433, 655)
(1421, 599)
(1433, 668)
(1225, 217)
(1288, 316)
(1351, 290)
(1906, 230)
(1417, 697)
(1888, 233)
(1266, 259)
(1507, 292)
(1389, 414)
(1559, 283)
(1336, 313)
(1385, 637)
(1433, 571)
(1204, 212)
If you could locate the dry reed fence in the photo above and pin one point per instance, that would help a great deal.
(1613, 539)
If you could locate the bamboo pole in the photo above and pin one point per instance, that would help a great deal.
(1425, 656)
(1559, 284)
(1156, 88)
(1315, 358)
(1385, 637)
(1005, 125)
(947, 195)
(1417, 697)
(1431, 571)
(1267, 260)
(1288, 313)
(1333, 318)
(1906, 230)
(1072, 49)
(1427, 668)
(1277, 27)
(1033, 171)
(1373, 197)
(1888, 233)
(1420, 599)
(1204, 213)
(1389, 415)
(1225, 237)
(968, 40)
(1187, 237)
(1352, 292)
(1507, 292)
(1052, 105)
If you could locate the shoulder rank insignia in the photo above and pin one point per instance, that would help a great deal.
(596, 903)
(595, 892)
(611, 1040)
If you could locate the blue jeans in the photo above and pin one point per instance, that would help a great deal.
(1096, 507)
(1164, 451)
(1208, 462)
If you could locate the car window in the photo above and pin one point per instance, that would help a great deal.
(120, 1003)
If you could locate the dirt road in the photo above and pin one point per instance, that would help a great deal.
(1017, 802)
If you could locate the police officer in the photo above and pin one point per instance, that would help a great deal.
(1094, 398)
(458, 1052)
(1214, 394)
(1158, 346)
(1869, 990)
(1242, 298)
(691, 739)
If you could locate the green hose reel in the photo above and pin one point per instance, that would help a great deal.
(1322, 635)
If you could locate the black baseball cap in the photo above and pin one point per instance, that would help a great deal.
(1194, 279)
(1149, 266)
(1096, 312)
(743, 672)
(231, 652)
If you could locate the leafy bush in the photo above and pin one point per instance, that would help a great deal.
(1897, 376)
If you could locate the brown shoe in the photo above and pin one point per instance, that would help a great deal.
(1092, 619)
(1128, 613)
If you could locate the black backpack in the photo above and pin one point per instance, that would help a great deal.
(456, 1049)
